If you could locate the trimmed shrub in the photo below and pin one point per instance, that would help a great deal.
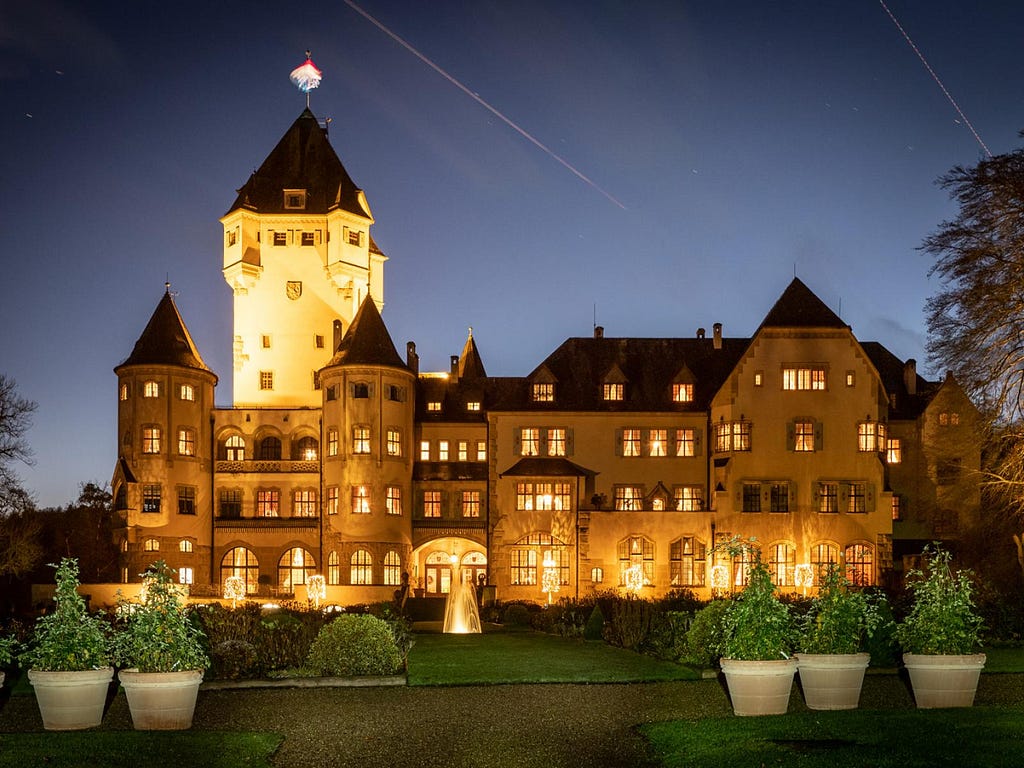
(516, 615)
(703, 644)
(594, 630)
(232, 660)
(354, 645)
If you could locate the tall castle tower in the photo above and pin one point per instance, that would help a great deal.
(299, 258)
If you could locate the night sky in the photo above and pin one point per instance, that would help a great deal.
(745, 141)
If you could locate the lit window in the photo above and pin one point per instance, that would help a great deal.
(332, 500)
(185, 575)
(612, 391)
(803, 436)
(332, 442)
(230, 503)
(361, 571)
(433, 406)
(360, 499)
(187, 392)
(782, 564)
(333, 569)
(151, 545)
(304, 503)
(268, 503)
(529, 441)
(431, 503)
(534, 549)
(187, 442)
(688, 498)
(897, 511)
(803, 378)
(828, 497)
(851, 379)
(523, 567)
(658, 442)
(463, 450)
(871, 436)
(360, 439)
(186, 500)
(266, 380)
(394, 442)
(151, 439)
(234, 448)
(481, 450)
(636, 551)
(424, 450)
(954, 419)
(543, 496)
(629, 498)
(631, 442)
(473, 405)
(732, 436)
(185, 546)
(758, 378)
(240, 561)
(779, 497)
(305, 449)
(687, 563)
(682, 393)
(751, 497)
(943, 419)
(597, 575)
(823, 557)
(471, 503)
(442, 450)
(856, 500)
(543, 393)
(295, 566)
(556, 442)
(123, 392)
(393, 500)
(151, 389)
(151, 498)
(392, 569)
(685, 442)
(860, 564)
(894, 451)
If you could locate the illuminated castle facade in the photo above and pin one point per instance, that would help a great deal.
(617, 463)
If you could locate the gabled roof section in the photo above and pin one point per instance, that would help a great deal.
(547, 467)
(302, 160)
(896, 374)
(470, 365)
(799, 307)
(166, 340)
(367, 341)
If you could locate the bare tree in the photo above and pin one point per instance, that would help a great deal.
(15, 420)
(20, 546)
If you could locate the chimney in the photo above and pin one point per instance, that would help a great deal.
(717, 328)
(411, 358)
(454, 366)
(701, 333)
(910, 376)
(598, 331)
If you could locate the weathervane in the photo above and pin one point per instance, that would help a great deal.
(306, 77)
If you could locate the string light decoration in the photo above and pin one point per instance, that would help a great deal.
(803, 575)
(316, 590)
(634, 578)
(720, 577)
(234, 589)
(549, 576)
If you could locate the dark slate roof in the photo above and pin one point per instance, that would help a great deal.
(165, 341)
(302, 159)
(367, 341)
(470, 365)
(534, 466)
(799, 307)
(891, 369)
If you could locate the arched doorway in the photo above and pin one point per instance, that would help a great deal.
(474, 568)
(437, 578)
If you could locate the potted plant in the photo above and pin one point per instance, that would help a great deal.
(941, 634)
(161, 654)
(68, 658)
(831, 662)
(757, 637)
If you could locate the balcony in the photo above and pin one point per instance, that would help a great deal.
(267, 466)
(265, 523)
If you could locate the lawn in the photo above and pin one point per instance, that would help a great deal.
(530, 657)
(980, 737)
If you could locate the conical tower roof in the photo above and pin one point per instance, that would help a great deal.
(799, 307)
(304, 160)
(166, 340)
(470, 365)
(367, 341)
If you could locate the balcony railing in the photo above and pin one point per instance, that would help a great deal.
(264, 465)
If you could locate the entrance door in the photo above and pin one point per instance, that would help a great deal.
(439, 580)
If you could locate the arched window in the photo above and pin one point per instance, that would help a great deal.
(184, 545)
(121, 498)
(860, 564)
(151, 545)
(597, 575)
(742, 562)
(269, 449)
(782, 564)
(822, 556)
(333, 568)
(305, 449)
(233, 449)
(241, 562)
(687, 562)
(392, 569)
(292, 569)
(528, 553)
(362, 568)
(636, 552)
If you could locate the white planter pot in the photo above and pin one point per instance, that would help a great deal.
(71, 701)
(759, 687)
(832, 681)
(161, 701)
(944, 681)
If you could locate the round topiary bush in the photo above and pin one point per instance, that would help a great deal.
(354, 645)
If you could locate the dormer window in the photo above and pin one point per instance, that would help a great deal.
(543, 393)
(682, 393)
(295, 199)
(612, 391)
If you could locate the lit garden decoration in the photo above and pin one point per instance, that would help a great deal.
(316, 590)
(549, 578)
(803, 576)
(634, 578)
(720, 577)
(234, 589)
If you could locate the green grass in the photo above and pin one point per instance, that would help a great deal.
(530, 657)
(131, 749)
(981, 737)
(1004, 659)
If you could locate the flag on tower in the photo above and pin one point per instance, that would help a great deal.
(306, 77)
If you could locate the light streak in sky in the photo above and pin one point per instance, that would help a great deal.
(508, 121)
(935, 77)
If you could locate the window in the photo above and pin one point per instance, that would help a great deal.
(543, 496)
(187, 392)
(333, 569)
(556, 441)
(657, 442)
(897, 511)
(360, 499)
(123, 392)
(395, 394)
(265, 341)
(332, 442)
(782, 564)
(473, 405)
(803, 378)
(629, 498)
(636, 551)
(186, 500)
(523, 567)
(185, 546)
(751, 497)
(294, 567)
(803, 436)
(894, 451)
(241, 562)
(612, 391)
(860, 564)
(533, 549)
(151, 389)
(828, 497)
(361, 570)
(433, 406)
(758, 378)
(304, 503)
(307, 238)
(682, 393)
(424, 450)
(442, 450)
(280, 238)
(332, 500)
(871, 436)
(481, 450)
(856, 499)
(631, 442)
(151, 545)
(431, 503)
(392, 569)
(686, 442)
(851, 379)
(295, 199)
(151, 498)
(269, 449)
(543, 393)
(822, 557)
(318, 340)
(231, 503)
(360, 439)
(529, 441)
(151, 439)
(780, 497)
(268, 503)
(688, 498)
(393, 500)
(732, 436)
(597, 575)
(354, 238)
(687, 564)
(305, 449)
(266, 380)
(360, 390)
(234, 448)
(185, 575)
(186, 442)
(462, 451)
(471, 503)
(332, 392)
(394, 442)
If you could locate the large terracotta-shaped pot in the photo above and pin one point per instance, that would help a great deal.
(71, 701)
(944, 681)
(759, 687)
(832, 681)
(161, 701)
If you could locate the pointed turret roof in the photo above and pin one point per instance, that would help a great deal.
(166, 340)
(470, 365)
(799, 307)
(367, 341)
(302, 159)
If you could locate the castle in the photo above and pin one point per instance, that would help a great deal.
(617, 463)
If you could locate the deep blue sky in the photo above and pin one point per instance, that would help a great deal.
(747, 140)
